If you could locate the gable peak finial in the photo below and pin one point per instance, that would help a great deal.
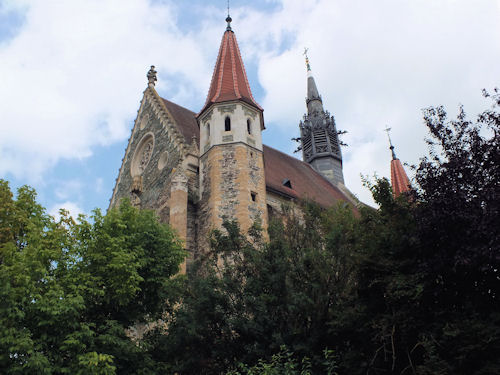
(228, 18)
(388, 129)
(152, 76)
(308, 65)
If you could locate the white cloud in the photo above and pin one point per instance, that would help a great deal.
(72, 78)
(73, 208)
(67, 188)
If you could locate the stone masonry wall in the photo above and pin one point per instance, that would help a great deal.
(233, 186)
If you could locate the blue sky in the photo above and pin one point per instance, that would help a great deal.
(72, 76)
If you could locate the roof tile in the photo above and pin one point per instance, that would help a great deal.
(185, 121)
(399, 179)
(229, 80)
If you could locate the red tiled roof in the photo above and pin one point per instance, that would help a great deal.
(399, 179)
(185, 120)
(229, 80)
(305, 181)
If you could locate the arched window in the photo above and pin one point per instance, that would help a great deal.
(227, 124)
(249, 126)
(208, 130)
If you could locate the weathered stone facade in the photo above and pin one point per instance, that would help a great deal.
(196, 170)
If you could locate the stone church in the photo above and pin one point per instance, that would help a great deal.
(196, 169)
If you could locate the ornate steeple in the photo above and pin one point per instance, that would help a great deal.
(399, 180)
(318, 134)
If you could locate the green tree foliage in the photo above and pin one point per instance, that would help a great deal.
(284, 362)
(457, 223)
(246, 298)
(429, 263)
(69, 290)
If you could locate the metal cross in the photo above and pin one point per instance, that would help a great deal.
(388, 129)
(307, 59)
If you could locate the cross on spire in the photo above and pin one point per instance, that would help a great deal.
(388, 129)
(307, 59)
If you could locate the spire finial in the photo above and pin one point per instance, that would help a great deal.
(228, 18)
(152, 76)
(388, 129)
(307, 59)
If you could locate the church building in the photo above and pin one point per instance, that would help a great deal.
(197, 169)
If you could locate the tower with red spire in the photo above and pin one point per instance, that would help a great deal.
(399, 180)
(232, 183)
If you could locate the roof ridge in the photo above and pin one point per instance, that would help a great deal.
(233, 67)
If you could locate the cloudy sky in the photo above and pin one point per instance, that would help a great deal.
(72, 75)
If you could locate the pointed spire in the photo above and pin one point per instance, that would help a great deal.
(399, 180)
(313, 100)
(229, 80)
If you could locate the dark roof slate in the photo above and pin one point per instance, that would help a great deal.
(305, 181)
(185, 121)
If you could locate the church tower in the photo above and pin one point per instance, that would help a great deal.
(232, 183)
(318, 135)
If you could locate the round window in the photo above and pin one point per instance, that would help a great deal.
(142, 155)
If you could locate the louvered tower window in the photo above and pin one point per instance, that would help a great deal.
(307, 145)
(320, 141)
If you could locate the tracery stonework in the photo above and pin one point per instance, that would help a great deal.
(146, 155)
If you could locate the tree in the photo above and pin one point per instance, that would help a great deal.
(428, 271)
(69, 290)
(457, 222)
(284, 362)
(246, 298)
